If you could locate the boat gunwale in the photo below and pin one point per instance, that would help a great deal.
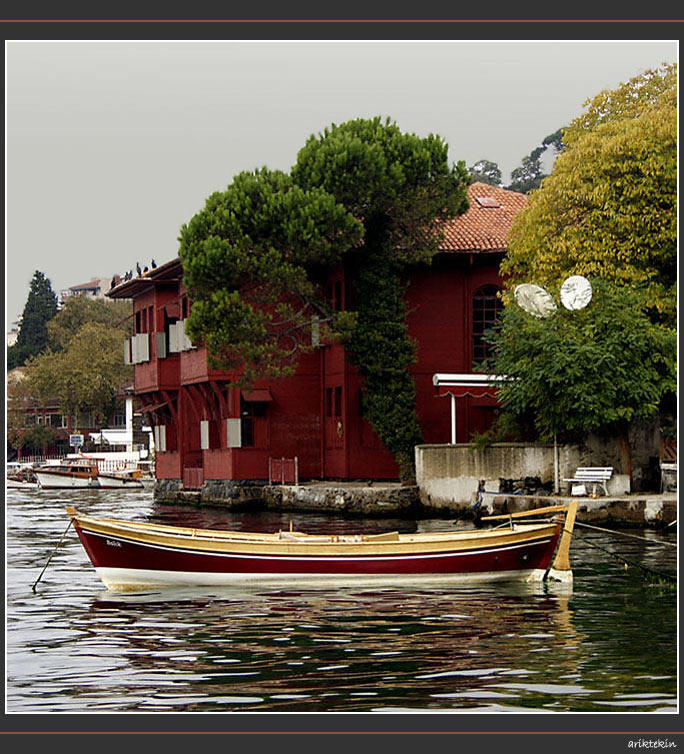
(220, 541)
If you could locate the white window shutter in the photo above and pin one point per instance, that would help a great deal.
(143, 347)
(161, 345)
(234, 433)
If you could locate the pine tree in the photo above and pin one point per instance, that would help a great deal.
(40, 308)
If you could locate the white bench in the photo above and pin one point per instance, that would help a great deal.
(594, 475)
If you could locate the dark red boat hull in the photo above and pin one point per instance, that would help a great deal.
(107, 551)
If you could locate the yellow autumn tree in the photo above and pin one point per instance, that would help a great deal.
(86, 376)
(608, 210)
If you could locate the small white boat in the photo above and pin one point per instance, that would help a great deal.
(128, 479)
(20, 476)
(146, 473)
(68, 474)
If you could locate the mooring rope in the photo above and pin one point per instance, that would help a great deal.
(659, 574)
(624, 534)
(33, 588)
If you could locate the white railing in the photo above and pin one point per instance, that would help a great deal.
(40, 459)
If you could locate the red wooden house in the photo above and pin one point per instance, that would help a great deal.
(206, 430)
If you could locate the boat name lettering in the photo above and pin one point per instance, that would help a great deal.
(113, 543)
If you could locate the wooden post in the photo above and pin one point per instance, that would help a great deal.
(560, 570)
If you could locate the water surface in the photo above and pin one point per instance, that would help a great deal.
(606, 645)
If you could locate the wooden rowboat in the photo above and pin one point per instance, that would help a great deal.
(129, 555)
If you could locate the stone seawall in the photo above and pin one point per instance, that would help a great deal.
(654, 510)
(343, 497)
(219, 493)
(362, 500)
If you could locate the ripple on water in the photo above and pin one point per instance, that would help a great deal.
(74, 647)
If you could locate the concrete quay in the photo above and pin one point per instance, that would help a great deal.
(389, 499)
(640, 509)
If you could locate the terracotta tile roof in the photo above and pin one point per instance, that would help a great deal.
(484, 228)
(95, 283)
(480, 229)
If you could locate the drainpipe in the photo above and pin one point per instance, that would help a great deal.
(453, 418)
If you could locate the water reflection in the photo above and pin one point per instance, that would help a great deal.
(74, 646)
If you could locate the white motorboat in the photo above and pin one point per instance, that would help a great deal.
(68, 474)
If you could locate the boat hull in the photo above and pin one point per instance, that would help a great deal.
(112, 481)
(126, 559)
(49, 481)
(16, 485)
(131, 580)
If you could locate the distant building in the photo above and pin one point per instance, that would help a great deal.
(206, 430)
(95, 288)
(119, 434)
(13, 333)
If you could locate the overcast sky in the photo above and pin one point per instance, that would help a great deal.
(111, 147)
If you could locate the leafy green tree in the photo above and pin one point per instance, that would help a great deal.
(86, 376)
(362, 194)
(40, 308)
(402, 188)
(485, 171)
(528, 176)
(252, 260)
(38, 439)
(609, 207)
(82, 310)
(554, 140)
(656, 87)
(597, 369)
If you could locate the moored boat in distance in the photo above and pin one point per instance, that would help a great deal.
(20, 476)
(129, 555)
(68, 474)
(128, 479)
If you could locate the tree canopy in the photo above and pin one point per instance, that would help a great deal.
(403, 188)
(78, 311)
(609, 207)
(250, 262)
(363, 194)
(40, 308)
(486, 171)
(591, 370)
(86, 375)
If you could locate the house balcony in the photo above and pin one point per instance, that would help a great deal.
(156, 367)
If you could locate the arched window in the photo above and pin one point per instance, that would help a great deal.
(486, 308)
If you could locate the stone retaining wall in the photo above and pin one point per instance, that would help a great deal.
(221, 493)
(388, 500)
(381, 500)
(367, 501)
